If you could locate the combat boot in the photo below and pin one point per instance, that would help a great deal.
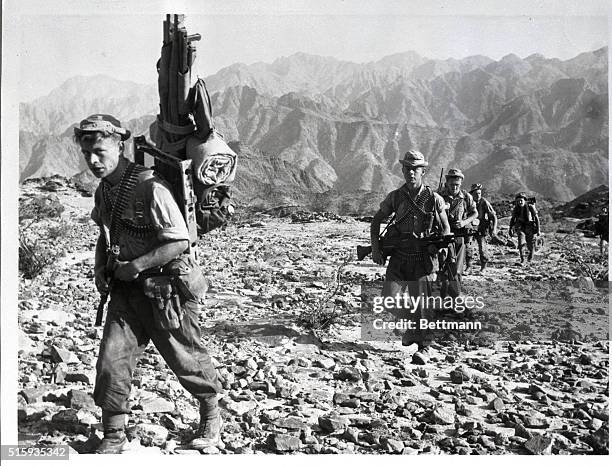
(113, 443)
(208, 434)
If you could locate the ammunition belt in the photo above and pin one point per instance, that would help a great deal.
(118, 205)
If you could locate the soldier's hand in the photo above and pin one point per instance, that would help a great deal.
(126, 271)
(101, 280)
(377, 257)
(459, 224)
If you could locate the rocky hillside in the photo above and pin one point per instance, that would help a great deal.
(534, 380)
(534, 124)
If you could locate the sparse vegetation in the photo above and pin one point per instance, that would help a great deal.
(40, 228)
(321, 314)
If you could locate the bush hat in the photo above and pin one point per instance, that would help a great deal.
(454, 172)
(413, 158)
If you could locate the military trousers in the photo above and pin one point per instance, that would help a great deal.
(409, 275)
(483, 250)
(128, 329)
(452, 272)
(525, 236)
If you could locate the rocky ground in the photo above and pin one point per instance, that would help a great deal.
(290, 389)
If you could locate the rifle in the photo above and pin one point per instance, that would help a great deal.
(387, 245)
(440, 180)
(111, 259)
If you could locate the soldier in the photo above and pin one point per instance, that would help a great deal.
(411, 267)
(525, 223)
(151, 233)
(602, 228)
(487, 224)
(461, 212)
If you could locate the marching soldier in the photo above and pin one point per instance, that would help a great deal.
(602, 228)
(525, 223)
(411, 267)
(139, 217)
(487, 224)
(461, 212)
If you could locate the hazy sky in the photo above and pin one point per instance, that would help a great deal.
(60, 39)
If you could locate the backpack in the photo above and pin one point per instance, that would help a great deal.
(212, 169)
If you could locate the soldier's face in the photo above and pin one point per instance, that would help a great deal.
(520, 202)
(413, 175)
(101, 155)
(476, 194)
(454, 185)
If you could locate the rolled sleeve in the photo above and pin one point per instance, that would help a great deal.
(166, 216)
(386, 206)
(439, 203)
(470, 205)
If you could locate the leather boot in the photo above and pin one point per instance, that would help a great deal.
(114, 441)
(209, 432)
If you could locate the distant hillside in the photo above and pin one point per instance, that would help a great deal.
(587, 205)
(321, 125)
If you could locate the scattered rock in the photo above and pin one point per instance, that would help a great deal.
(282, 442)
(332, 423)
(349, 374)
(498, 405)
(78, 399)
(539, 445)
(151, 434)
(155, 404)
(443, 415)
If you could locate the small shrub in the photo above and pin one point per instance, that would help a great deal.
(33, 258)
(320, 315)
(41, 207)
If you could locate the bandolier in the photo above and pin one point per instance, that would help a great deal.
(417, 215)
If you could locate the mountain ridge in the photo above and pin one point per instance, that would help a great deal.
(348, 127)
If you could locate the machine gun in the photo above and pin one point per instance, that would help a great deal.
(387, 245)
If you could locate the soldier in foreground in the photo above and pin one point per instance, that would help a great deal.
(140, 219)
(461, 212)
(526, 224)
(412, 266)
(487, 224)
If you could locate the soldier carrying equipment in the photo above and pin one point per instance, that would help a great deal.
(525, 223)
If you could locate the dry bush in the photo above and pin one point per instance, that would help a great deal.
(320, 315)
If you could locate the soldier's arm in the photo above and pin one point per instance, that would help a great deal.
(493, 217)
(157, 257)
(536, 220)
(472, 210)
(444, 223)
(440, 207)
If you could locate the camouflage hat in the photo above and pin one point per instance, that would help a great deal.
(104, 123)
(475, 187)
(413, 158)
(521, 194)
(454, 172)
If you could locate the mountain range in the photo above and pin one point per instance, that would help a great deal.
(312, 130)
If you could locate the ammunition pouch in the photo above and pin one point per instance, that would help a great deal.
(170, 287)
(167, 310)
(189, 280)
